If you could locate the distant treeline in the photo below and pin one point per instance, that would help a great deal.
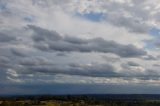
(132, 97)
(83, 100)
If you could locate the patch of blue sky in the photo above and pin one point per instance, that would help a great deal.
(92, 16)
(149, 44)
(155, 32)
(152, 44)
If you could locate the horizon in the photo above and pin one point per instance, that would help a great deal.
(136, 96)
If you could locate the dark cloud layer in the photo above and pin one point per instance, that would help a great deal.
(24, 63)
(6, 38)
(50, 40)
(76, 88)
(97, 70)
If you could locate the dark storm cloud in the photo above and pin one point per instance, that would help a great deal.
(50, 40)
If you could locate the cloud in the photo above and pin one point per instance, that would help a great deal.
(111, 58)
(48, 40)
(94, 70)
(78, 42)
(17, 52)
(150, 57)
(43, 34)
(136, 17)
(37, 61)
(131, 63)
(130, 23)
(6, 38)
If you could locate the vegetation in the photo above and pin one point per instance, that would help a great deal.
(80, 100)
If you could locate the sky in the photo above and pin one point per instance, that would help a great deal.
(79, 47)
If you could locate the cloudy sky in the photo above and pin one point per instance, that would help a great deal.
(79, 46)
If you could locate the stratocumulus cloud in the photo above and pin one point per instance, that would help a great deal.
(48, 40)
(71, 43)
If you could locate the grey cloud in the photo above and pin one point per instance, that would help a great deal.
(133, 25)
(42, 66)
(75, 40)
(131, 15)
(152, 73)
(111, 58)
(133, 18)
(43, 34)
(97, 70)
(4, 62)
(4, 59)
(17, 52)
(6, 38)
(61, 54)
(157, 65)
(45, 67)
(36, 67)
(49, 40)
(150, 57)
(131, 63)
(134, 70)
(34, 61)
(39, 67)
